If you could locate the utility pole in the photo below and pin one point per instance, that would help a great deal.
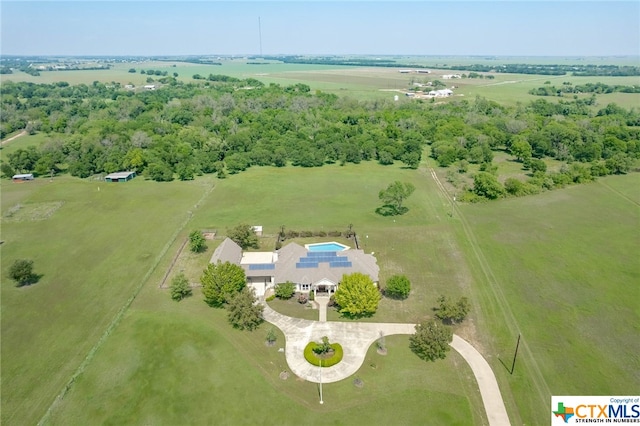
(513, 365)
(260, 35)
(321, 401)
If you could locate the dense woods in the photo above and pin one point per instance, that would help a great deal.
(225, 125)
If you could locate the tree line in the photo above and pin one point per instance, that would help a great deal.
(226, 125)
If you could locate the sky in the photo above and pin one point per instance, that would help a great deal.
(148, 28)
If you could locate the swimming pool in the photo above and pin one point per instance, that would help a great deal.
(332, 246)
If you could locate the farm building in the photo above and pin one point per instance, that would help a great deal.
(22, 177)
(441, 93)
(317, 271)
(150, 86)
(120, 176)
(450, 76)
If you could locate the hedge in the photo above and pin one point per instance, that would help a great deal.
(312, 358)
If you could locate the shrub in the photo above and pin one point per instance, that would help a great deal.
(398, 287)
(270, 298)
(21, 271)
(312, 359)
(306, 234)
(322, 234)
(180, 287)
(312, 296)
(285, 290)
(302, 298)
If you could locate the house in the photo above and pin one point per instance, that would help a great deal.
(120, 176)
(450, 76)
(150, 87)
(441, 93)
(317, 271)
(423, 71)
(22, 177)
(404, 71)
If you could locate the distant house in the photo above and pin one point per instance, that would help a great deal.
(150, 87)
(22, 177)
(450, 76)
(422, 71)
(404, 71)
(120, 176)
(129, 86)
(441, 93)
(308, 270)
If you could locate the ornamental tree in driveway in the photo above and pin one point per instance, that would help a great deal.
(357, 295)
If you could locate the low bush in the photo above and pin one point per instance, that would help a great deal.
(313, 359)
(270, 298)
(302, 298)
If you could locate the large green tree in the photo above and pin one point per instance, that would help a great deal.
(243, 311)
(486, 185)
(394, 196)
(357, 295)
(244, 235)
(431, 340)
(220, 281)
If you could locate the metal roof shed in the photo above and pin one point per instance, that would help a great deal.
(120, 176)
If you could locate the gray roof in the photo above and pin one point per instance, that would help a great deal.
(289, 256)
(228, 251)
(119, 175)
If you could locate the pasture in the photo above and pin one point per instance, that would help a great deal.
(363, 83)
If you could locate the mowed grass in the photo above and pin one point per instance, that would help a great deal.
(565, 275)
(182, 362)
(92, 253)
(175, 363)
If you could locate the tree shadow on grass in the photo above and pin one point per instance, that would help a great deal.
(389, 210)
(33, 279)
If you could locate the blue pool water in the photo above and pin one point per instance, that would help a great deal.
(326, 247)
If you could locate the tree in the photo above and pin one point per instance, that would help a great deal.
(7, 170)
(357, 295)
(431, 340)
(132, 70)
(243, 311)
(285, 290)
(398, 287)
(21, 271)
(521, 149)
(244, 235)
(271, 337)
(394, 196)
(197, 243)
(180, 287)
(220, 281)
(486, 185)
(451, 312)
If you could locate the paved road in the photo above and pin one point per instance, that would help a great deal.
(356, 338)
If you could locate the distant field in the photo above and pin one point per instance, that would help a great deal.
(365, 83)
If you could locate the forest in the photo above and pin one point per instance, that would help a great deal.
(226, 125)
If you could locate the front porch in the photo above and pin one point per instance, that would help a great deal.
(324, 287)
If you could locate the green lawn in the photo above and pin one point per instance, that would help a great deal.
(563, 272)
(560, 268)
(93, 243)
